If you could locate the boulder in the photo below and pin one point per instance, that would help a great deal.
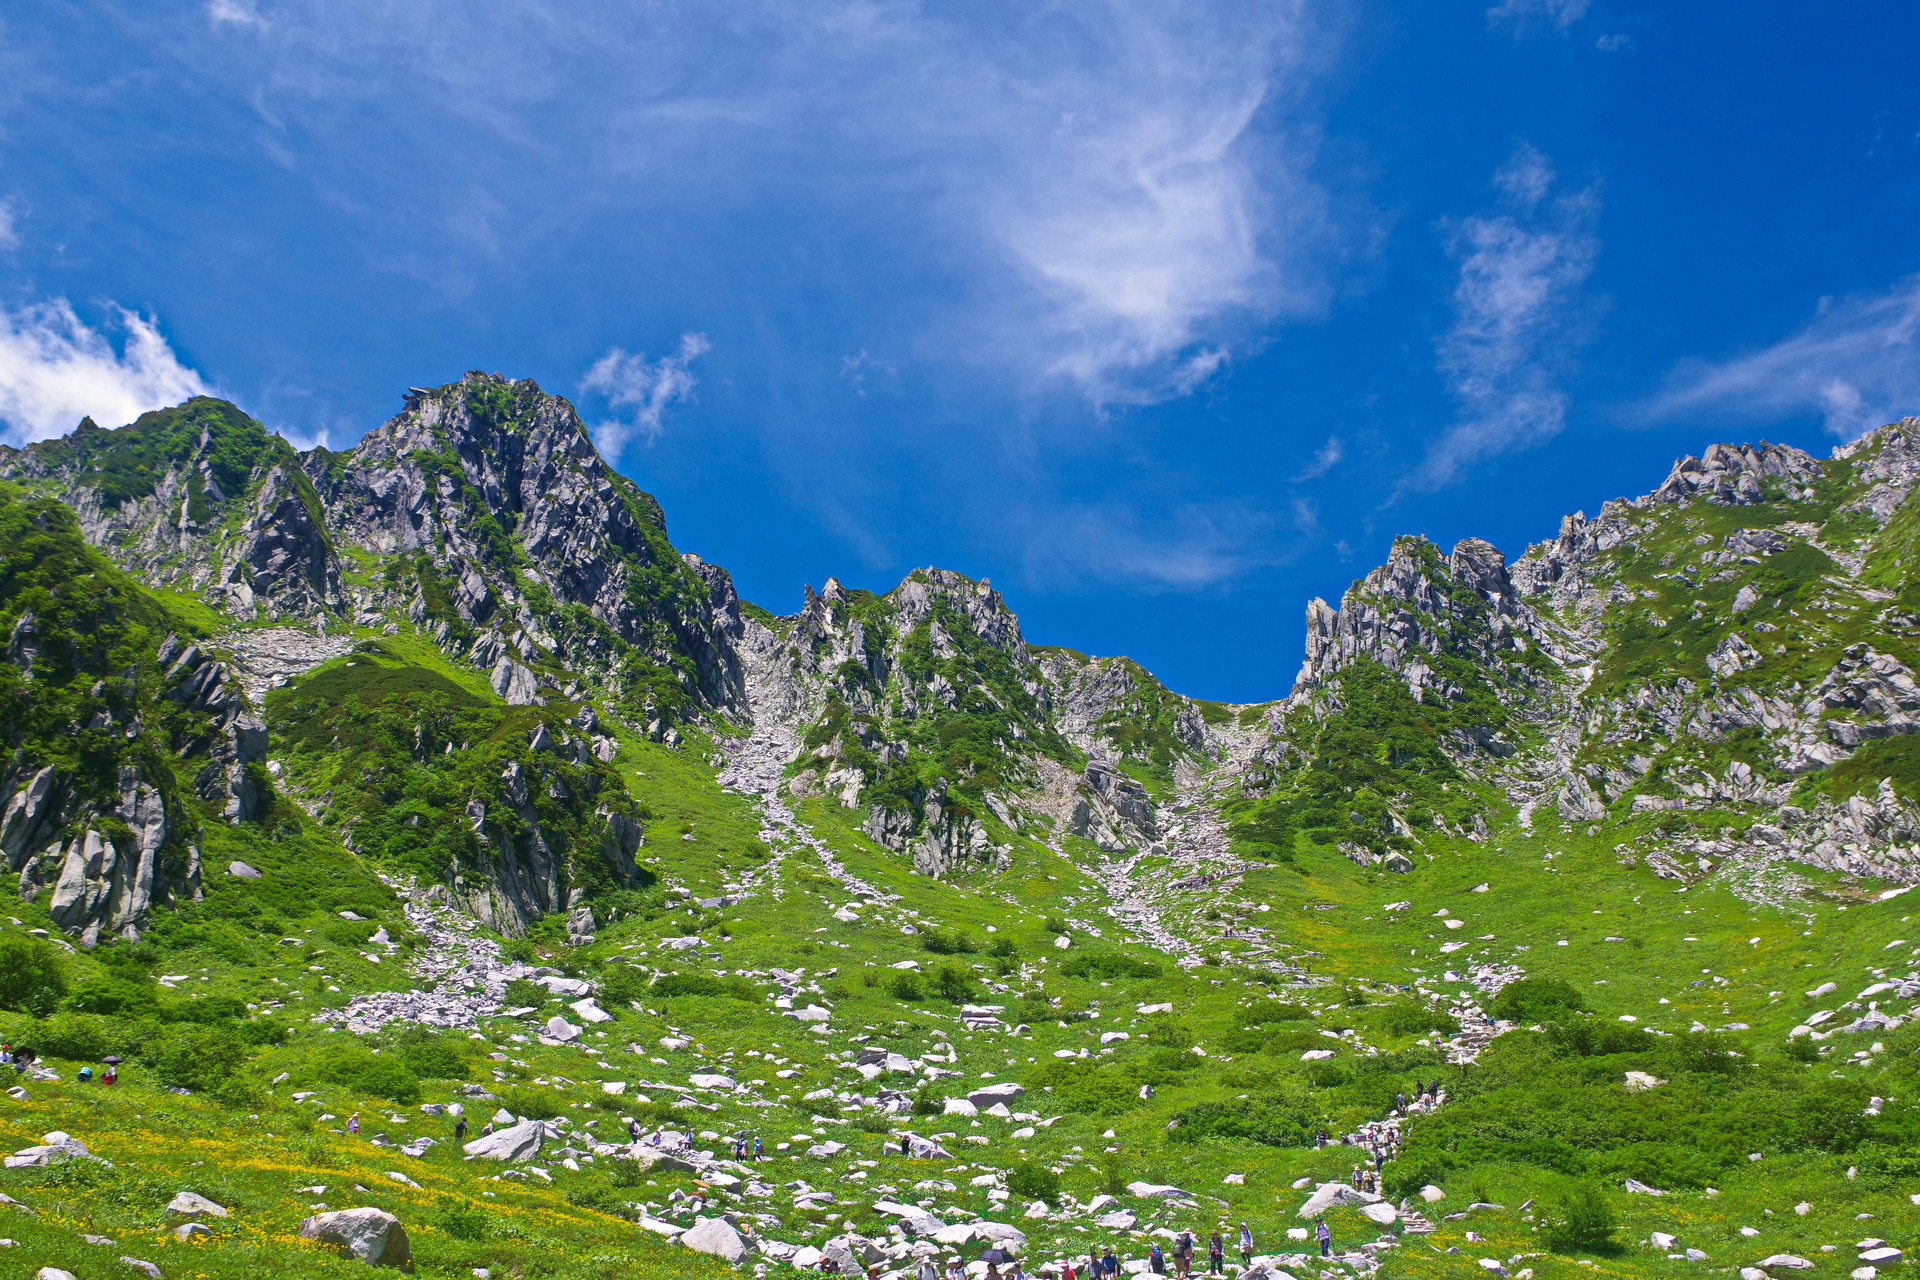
(1785, 1262)
(520, 1142)
(1382, 1213)
(1330, 1194)
(1157, 1191)
(242, 871)
(1003, 1234)
(715, 1236)
(994, 1093)
(1431, 1193)
(143, 1266)
(590, 1012)
(190, 1230)
(195, 1206)
(1883, 1254)
(1661, 1240)
(1118, 1220)
(53, 1273)
(1636, 1187)
(560, 1029)
(369, 1235)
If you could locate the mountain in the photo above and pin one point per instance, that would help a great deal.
(454, 781)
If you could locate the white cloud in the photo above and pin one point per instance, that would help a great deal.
(1325, 459)
(56, 370)
(647, 387)
(1856, 366)
(1557, 13)
(1110, 197)
(1518, 315)
(235, 13)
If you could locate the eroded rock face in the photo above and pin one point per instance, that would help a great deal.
(126, 856)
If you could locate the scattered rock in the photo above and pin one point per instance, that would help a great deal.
(195, 1205)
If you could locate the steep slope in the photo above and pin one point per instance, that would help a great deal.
(200, 497)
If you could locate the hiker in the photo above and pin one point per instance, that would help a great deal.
(1156, 1260)
(1325, 1236)
(1216, 1255)
(927, 1270)
(1183, 1253)
(459, 1128)
(955, 1271)
(1109, 1265)
(85, 1075)
(112, 1075)
(353, 1123)
(633, 1129)
(760, 1152)
(1246, 1246)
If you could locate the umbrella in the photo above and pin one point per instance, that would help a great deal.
(112, 1059)
(996, 1254)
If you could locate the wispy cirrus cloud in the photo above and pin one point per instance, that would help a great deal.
(55, 369)
(1114, 198)
(1559, 14)
(1519, 314)
(1856, 366)
(646, 388)
(1325, 459)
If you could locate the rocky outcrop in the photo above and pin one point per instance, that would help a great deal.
(526, 534)
(1419, 605)
(121, 859)
(234, 738)
(1738, 475)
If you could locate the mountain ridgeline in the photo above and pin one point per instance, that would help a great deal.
(429, 647)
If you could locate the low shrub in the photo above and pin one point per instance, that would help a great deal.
(1537, 1000)
(1108, 964)
(382, 1075)
(194, 1057)
(1581, 1221)
(679, 985)
(32, 978)
(1031, 1181)
(1271, 1120)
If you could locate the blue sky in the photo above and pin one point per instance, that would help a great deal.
(1164, 316)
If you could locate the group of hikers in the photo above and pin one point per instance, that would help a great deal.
(1177, 1259)
(22, 1058)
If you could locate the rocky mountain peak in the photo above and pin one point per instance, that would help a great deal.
(1738, 474)
(1419, 602)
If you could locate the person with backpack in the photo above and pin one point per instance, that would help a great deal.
(1183, 1253)
(459, 1128)
(1325, 1235)
(1246, 1246)
(1156, 1260)
(1216, 1255)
